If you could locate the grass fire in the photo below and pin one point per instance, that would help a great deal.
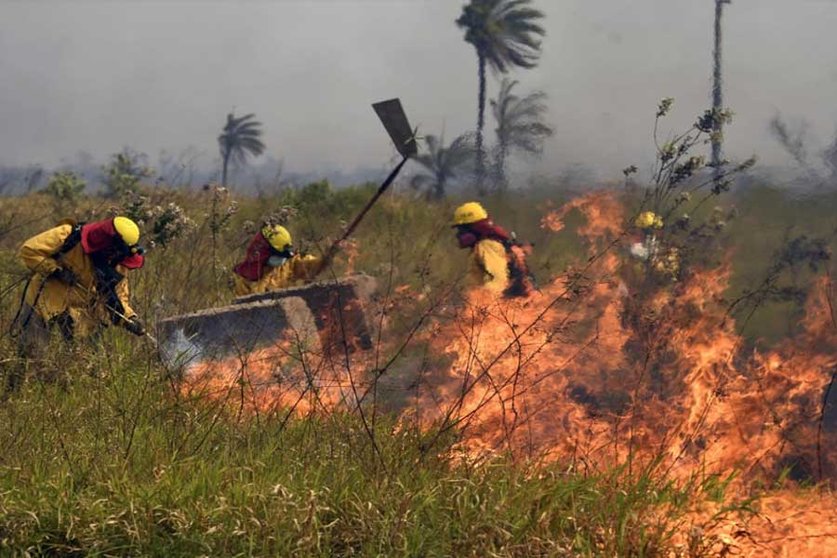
(522, 339)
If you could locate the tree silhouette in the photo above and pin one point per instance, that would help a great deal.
(239, 138)
(520, 126)
(441, 165)
(504, 34)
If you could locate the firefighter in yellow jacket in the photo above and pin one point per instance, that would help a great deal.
(78, 283)
(271, 264)
(496, 262)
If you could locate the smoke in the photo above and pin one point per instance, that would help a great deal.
(165, 81)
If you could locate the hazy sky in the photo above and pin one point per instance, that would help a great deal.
(96, 76)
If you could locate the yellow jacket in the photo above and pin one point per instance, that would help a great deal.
(82, 302)
(297, 271)
(489, 266)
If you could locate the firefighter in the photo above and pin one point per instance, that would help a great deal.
(649, 223)
(497, 262)
(271, 264)
(663, 260)
(78, 282)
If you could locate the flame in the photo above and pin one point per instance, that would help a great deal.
(272, 380)
(552, 222)
(588, 369)
(306, 369)
(603, 213)
(595, 369)
(786, 523)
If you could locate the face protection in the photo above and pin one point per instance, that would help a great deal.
(278, 259)
(101, 240)
(465, 236)
(119, 253)
(131, 254)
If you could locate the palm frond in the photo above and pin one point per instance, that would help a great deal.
(240, 138)
(505, 32)
(441, 165)
(520, 127)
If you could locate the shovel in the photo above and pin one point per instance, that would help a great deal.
(392, 116)
(327, 317)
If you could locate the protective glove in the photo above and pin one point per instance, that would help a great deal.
(135, 326)
(65, 275)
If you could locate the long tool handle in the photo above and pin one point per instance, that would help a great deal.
(147, 335)
(332, 250)
(119, 314)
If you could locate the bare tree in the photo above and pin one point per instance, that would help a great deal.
(25, 179)
(792, 140)
(178, 171)
(829, 157)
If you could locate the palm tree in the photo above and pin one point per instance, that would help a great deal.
(504, 34)
(441, 164)
(239, 139)
(519, 125)
(717, 91)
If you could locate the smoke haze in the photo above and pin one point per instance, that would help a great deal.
(96, 76)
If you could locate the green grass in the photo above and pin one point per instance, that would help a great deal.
(105, 458)
(768, 218)
(120, 465)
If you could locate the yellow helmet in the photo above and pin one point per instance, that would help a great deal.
(127, 230)
(649, 220)
(278, 236)
(468, 213)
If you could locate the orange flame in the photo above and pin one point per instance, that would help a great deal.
(595, 369)
(618, 373)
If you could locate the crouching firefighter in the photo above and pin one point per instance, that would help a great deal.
(271, 264)
(78, 284)
(498, 261)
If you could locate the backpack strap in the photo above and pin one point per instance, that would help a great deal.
(72, 240)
